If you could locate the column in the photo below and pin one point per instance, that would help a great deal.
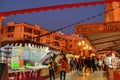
(1, 19)
(113, 15)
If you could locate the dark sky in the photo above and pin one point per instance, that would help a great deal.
(52, 19)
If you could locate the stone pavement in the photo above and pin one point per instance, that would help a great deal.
(97, 75)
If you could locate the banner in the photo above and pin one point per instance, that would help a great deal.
(97, 27)
(46, 8)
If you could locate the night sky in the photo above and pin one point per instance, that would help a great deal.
(52, 19)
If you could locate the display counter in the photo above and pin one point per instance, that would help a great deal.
(28, 72)
(34, 73)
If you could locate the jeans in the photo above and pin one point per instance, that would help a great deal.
(62, 75)
(51, 74)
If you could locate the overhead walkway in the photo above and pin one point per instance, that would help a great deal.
(97, 75)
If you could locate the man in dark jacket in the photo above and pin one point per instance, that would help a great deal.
(51, 65)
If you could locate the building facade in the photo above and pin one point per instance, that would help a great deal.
(72, 43)
(113, 11)
(58, 40)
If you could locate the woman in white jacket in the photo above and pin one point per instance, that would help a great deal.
(100, 63)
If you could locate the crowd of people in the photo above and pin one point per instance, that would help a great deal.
(94, 63)
(81, 64)
(88, 63)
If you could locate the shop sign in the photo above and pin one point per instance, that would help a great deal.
(97, 27)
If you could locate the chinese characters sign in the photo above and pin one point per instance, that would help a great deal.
(97, 27)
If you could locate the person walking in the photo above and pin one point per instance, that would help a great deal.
(71, 64)
(63, 67)
(51, 65)
(100, 63)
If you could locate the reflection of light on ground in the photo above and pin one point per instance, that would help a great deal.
(97, 75)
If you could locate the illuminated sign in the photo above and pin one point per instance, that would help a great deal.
(97, 27)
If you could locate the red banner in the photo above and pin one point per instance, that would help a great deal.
(8, 13)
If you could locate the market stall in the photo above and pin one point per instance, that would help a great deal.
(24, 59)
(113, 63)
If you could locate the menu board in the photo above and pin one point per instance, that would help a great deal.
(2, 67)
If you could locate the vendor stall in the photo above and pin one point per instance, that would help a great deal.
(113, 66)
(24, 59)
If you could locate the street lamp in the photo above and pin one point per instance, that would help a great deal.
(81, 44)
(87, 48)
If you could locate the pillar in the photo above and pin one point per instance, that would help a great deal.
(1, 19)
(113, 15)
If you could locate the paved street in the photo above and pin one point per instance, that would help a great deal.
(98, 75)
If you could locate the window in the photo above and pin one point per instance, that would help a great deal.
(66, 40)
(41, 40)
(75, 41)
(38, 39)
(10, 29)
(48, 41)
(70, 46)
(29, 30)
(63, 38)
(57, 37)
(1, 31)
(24, 36)
(56, 43)
(28, 37)
(10, 35)
(48, 36)
(36, 32)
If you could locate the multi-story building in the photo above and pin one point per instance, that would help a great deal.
(72, 43)
(58, 40)
(113, 11)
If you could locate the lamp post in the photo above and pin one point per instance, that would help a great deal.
(81, 44)
(87, 48)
